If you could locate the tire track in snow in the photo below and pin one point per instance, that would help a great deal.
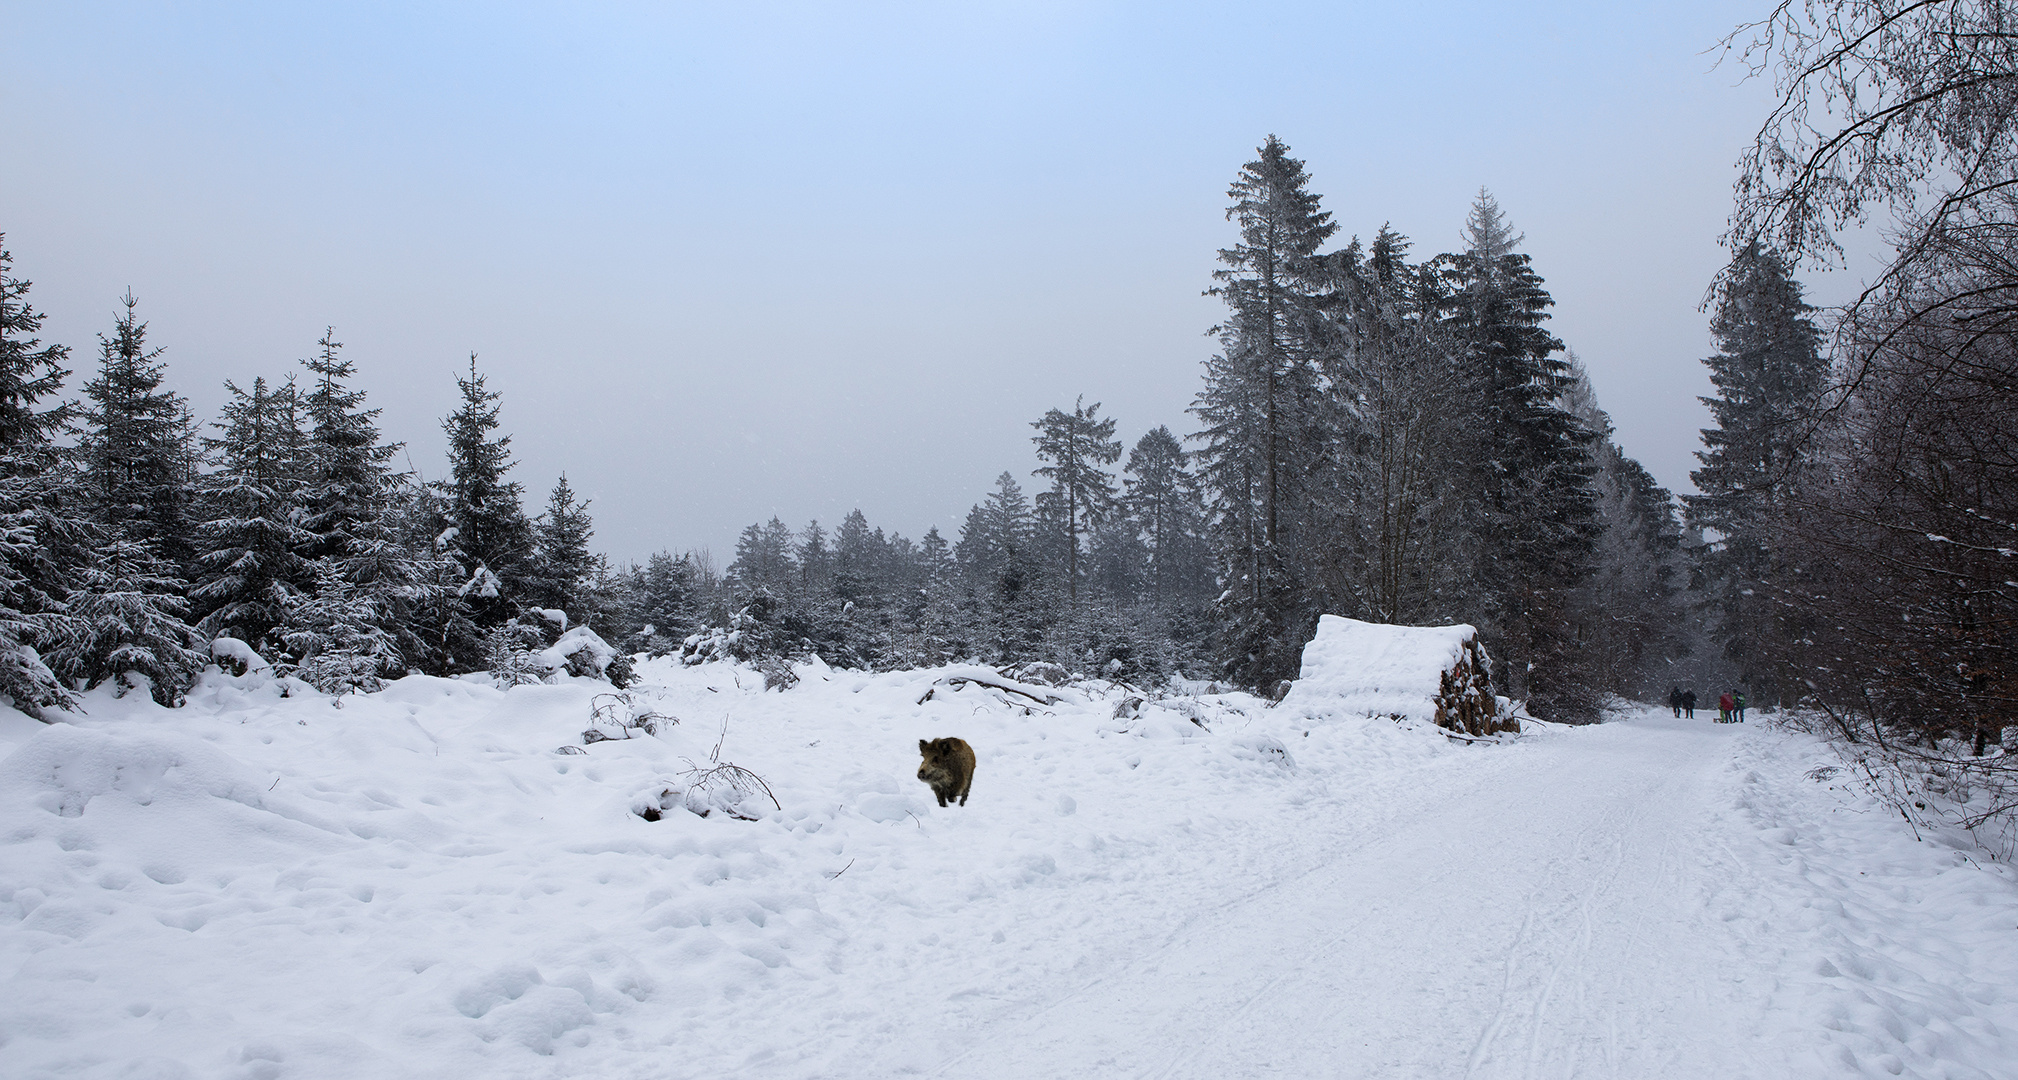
(1371, 962)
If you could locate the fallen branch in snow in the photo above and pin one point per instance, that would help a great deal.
(957, 681)
(841, 871)
(1457, 737)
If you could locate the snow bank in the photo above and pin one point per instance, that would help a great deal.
(444, 879)
(1434, 674)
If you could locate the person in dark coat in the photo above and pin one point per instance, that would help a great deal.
(1675, 700)
(1738, 699)
(1689, 703)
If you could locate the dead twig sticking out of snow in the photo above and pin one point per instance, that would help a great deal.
(703, 791)
(841, 871)
(727, 787)
(615, 716)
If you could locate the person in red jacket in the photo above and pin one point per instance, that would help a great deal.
(1725, 707)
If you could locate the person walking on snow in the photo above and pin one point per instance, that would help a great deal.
(1675, 701)
(1740, 702)
(1689, 703)
(1724, 708)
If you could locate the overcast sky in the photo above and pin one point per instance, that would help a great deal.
(738, 260)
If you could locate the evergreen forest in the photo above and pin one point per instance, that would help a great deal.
(1389, 436)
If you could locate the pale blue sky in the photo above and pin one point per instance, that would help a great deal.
(732, 261)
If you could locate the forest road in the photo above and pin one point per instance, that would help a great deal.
(1565, 915)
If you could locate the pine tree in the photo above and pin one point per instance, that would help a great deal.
(1000, 575)
(857, 554)
(127, 624)
(1768, 372)
(29, 372)
(1076, 444)
(135, 456)
(493, 539)
(1538, 506)
(250, 570)
(668, 600)
(348, 470)
(42, 546)
(563, 564)
(764, 559)
(351, 500)
(1166, 511)
(426, 575)
(336, 637)
(815, 560)
(1254, 408)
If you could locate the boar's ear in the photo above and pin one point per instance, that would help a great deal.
(923, 746)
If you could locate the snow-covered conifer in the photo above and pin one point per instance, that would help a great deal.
(1768, 371)
(250, 570)
(335, 637)
(493, 539)
(562, 564)
(1537, 506)
(126, 619)
(1074, 446)
(136, 452)
(42, 544)
(1255, 406)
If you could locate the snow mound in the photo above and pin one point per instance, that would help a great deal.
(1428, 673)
(583, 641)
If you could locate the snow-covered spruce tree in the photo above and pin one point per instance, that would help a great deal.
(43, 547)
(249, 567)
(857, 560)
(667, 601)
(29, 372)
(764, 559)
(1074, 446)
(848, 621)
(1538, 506)
(1000, 576)
(815, 559)
(335, 635)
(562, 565)
(126, 623)
(351, 499)
(493, 539)
(1166, 511)
(1254, 411)
(135, 465)
(929, 629)
(136, 456)
(347, 470)
(436, 633)
(1768, 371)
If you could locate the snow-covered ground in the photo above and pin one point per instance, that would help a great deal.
(418, 884)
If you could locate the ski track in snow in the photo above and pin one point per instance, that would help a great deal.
(417, 885)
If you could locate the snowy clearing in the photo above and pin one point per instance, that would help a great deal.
(419, 884)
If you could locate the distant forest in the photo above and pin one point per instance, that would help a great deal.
(1393, 439)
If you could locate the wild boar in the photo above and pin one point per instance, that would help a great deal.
(948, 767)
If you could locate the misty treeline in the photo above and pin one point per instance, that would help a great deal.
(1395, 440)
(1864, 480)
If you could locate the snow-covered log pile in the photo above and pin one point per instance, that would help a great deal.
(1432, 673)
